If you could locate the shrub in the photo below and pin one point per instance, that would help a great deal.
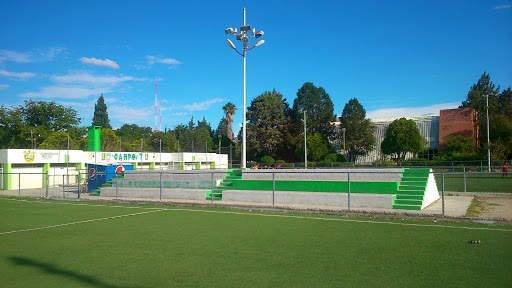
(267, 160)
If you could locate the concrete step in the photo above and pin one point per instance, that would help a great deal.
(407, 207)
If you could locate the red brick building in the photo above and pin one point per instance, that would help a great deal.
(460, 121)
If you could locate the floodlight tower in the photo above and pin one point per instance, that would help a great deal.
(246, 32)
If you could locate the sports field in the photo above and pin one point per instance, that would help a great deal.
(48, 243)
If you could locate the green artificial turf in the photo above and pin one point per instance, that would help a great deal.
(218, 247)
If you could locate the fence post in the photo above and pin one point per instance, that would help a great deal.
(465, 179)
(160, 185)
(117, 186)
(47, 183)
(211, 184)
(19, 183)
(273, 187)
(348, 185)
(442, 194)
(79, 183)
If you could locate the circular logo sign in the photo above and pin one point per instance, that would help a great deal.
(92, 173)
(119, 169)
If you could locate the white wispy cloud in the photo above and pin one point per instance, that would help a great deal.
(14, 56)
(500, 7)
(19, 76)
(180, 113)
(36, 55)
(86, 78)
(60, 92)
(126, 114)
(4, 86)
(201, 106)
(157, 59)
(98, 62)
(410, 111)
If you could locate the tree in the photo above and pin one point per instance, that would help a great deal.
(168, 140)
(402, 136)
(358, 133)
(229, 110)
(36, 121)
(318, 146)
(266, 123)
(319, 110)
(476, 95)
(100, 117)
(59, 141)
(500, 115)
(132, 132)
(109, 140)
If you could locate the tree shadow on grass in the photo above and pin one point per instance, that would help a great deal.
(56, 270)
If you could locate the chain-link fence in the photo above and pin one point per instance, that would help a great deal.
(465, 194)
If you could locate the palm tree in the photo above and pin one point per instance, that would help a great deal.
(229, 110)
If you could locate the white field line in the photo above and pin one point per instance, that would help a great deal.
(79, 222)
(271, 215)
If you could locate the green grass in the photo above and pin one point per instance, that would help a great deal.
(475, 183)
(172, 246)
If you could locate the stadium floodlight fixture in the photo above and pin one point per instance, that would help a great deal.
(230, 44)
(245, 28)
(246, 32)
(259, 43)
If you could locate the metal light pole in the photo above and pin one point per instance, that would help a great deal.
(246, 32)
(305, 143)
(488, 141)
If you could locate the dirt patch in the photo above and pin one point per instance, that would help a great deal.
(496, 206)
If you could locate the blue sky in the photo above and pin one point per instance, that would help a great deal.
(398, 58)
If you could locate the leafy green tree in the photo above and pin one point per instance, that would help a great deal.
(500, 115)
(402, 136)
(100, 117)
(359, 139)
(319, 110)
(500, 129)
(266, 124)
(459, 144)
(477, 94)
(59, 141)
(222, 127)
(168, 140)
(132, 132)
(318, 146)
(109, 140)
(229, 110)
(34, 120)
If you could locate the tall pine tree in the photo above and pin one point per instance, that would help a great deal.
(100, 117)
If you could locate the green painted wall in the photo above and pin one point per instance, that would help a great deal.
(212, 165)
(46, 169)
(135, 165)
(182, 165)
(7, 177)
(151, 165)
(198, 165)
(316, 186)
